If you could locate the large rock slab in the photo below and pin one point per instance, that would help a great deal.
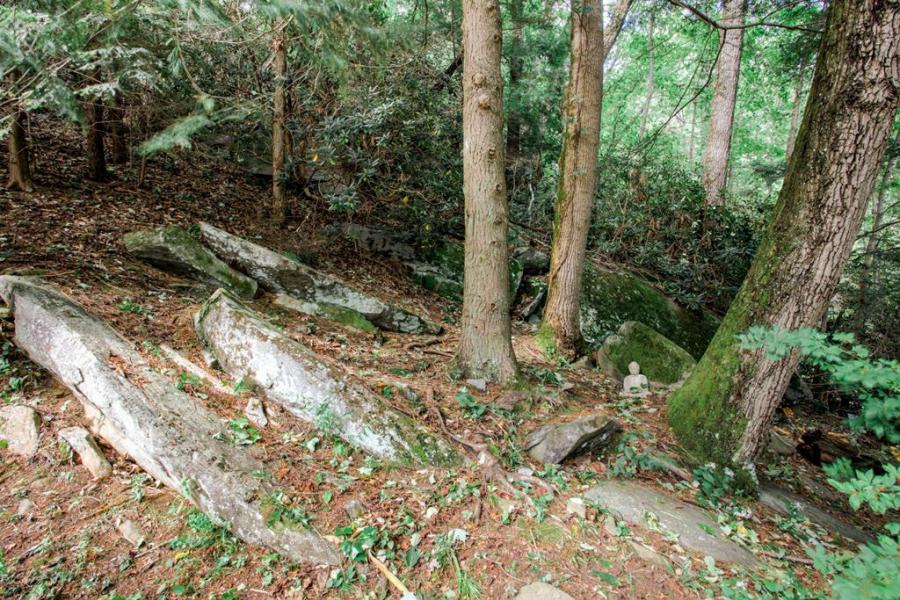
(632, 502)
(661, 360)
(174, 249)
(554, 443)
(780, 500)
(310, 387)
(320, 293)
(610, 298)
(145, 417)
(20, 429)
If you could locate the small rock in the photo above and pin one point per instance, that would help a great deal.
(5, 314)
(210, 359)
(354, 508)
(552, 444)
(648, 554)
(507, 508)
(582, 364)
(431, 513)
(256, 412)
(478, 384)
(25, 508)
(781, 444)
(131, 532)
(542, 591)
(525, 471)
(510, 399)
(20, 428)
(575, 506)
(87, 449)
(534, 261)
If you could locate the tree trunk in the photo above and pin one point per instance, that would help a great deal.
(651, 77)
(514, 122)
(724, 410)
(118, 143)
(795, 111)
(578, 178)
(95, 137)
(615, 26)
(19, 158)
(721, 120)
(693, 129)
(872, 247)
(485, 347)
(279, 66)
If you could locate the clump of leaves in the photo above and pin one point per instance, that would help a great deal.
(240, 432)
(130, 306)
(470, 406)
(280, 511)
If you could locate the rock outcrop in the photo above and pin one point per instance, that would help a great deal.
(311, 388)
(661, 360)
(174, 249)
(145, 417)
(316, 292)
(554, 443)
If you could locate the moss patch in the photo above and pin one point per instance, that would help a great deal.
(346, 316)
(661, 360)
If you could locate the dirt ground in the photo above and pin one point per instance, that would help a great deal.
(444, 533)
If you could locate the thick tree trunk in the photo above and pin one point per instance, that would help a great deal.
(279, 66)
(651, 77)
(19, 157)
(724, 410)
(615, 26)
(721, 120)
(578, 178)
(516, 62)
(795, 111)
(872, 247)
(118, 143)
(485, 347)
(96, 152)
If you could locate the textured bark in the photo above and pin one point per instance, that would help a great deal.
(19, 157)
(578, 177)
(795, 111)
(516, 63)
(485, 347)
(721, 120)
(724, 411)
(615, 26)
(96, 152)
(118, 143)
(279, 66)
(651, 77)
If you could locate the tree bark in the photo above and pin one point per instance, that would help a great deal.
(279, 66)
(578, 178)
(724, 410)
(795, 111)
(516, 63)
(721, 120)
(611, 34)
(96, 151)
(651, 77)
(118, 142)
(19, 157)
(485, 345)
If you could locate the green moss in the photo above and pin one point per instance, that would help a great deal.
(546, 340)
(661, 360)
(346, 316)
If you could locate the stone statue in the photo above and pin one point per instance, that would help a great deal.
(635, 384)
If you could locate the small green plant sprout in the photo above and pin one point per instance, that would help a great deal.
(240, 432)
(186, 380)
(281, 512)
(471, 407)
(131, 307)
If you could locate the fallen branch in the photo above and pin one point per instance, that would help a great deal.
(394, 581)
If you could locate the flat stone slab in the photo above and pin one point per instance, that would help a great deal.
(554, 443)
(174, 249)
(144, 416)
(319, 291)
(542, 591)
(310, 387)
(631, 502)
(20, 429)
(779, 499)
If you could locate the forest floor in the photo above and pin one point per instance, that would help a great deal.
(58, 534)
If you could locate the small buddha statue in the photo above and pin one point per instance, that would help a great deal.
(635, 384)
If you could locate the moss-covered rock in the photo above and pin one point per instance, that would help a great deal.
(661, 359)
(174, 249)
(609, 299)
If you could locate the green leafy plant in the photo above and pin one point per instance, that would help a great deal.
(240, 432)
(471, 407)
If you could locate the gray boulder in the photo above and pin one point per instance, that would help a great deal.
(310, 387)
(556, 442)
(144, 416)
(20, 429)
(542, 591)
(174, 249)
(661, 360)
(534, 261)
(696, 530)
(780, 500)
(318, 292)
